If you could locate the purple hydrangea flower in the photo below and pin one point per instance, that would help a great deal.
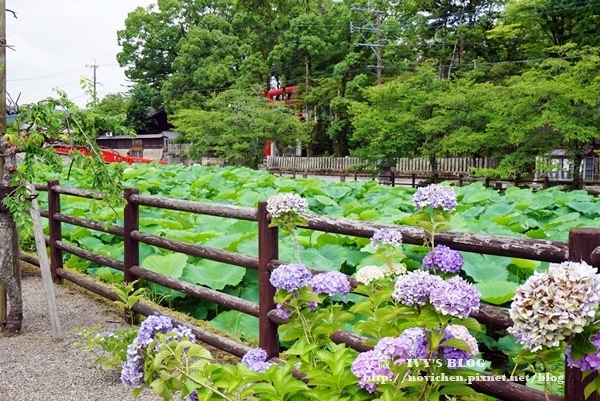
(386, 236)
(455, 297)
(410, 344)
(132, 372)
(413, 288)
(311, 306)
(415, 343)
(256, 360)
(152, 325)
(590, 362)
(454, 354)
(392, 347)
(279, 205)
(290, 277)
(371, 368)
(444, 259)
(282, 311)
(435, 196)
(330, 283)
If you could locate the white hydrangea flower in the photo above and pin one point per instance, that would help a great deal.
(281, 204)
(368, 274)
(555, 304)
(394, 269)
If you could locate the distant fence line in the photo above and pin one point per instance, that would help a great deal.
(447, 165)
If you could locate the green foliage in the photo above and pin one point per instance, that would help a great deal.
(235, 124)
(139, 106)
(114, 104)
(113, 345)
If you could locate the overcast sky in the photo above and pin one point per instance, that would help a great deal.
(55, 40)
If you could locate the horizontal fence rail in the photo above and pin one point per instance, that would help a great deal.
(448, 165)
(583, 245)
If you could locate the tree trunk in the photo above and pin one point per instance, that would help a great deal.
(8, 259)
(9, 249)
(577, 161)
(434, 168)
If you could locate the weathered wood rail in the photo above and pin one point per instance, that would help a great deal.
(584, 244)
(451, 166)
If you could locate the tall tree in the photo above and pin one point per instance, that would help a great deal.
(401, 118)
(113, 104)
(555, 105)
(139, 107)
(149, 40)
(235, 124)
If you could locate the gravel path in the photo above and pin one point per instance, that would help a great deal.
(33, 366)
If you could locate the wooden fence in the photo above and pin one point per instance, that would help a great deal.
(347, 165)
(584, 244)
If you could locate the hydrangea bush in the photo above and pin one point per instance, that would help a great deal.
(418, 323)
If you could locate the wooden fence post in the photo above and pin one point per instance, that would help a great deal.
(582, 242)
(131, 223)
(54, 226)
(267, 251)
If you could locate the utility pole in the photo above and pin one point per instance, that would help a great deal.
(3, 298)
(375, 47)
(3, 71)
(94, 67)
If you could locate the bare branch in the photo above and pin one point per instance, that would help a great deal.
(13, 13)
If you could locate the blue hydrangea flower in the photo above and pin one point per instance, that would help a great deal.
(256, 360)
(330, 283)
(279, 205)
(386, 236)
(132, 372)
(290, 277)
(590, 362)
(454, 354)
(413, 288)
(435, 196)
(282, 311)
(152, 325)
(455, 297)
(371, 368)
(410, 344)
(193, 396)
(443, 258)
(391, 347)
(415, 343)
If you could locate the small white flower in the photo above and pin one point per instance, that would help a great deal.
(394, 269)
(368, 274)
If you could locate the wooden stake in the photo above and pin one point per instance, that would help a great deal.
(40, 244)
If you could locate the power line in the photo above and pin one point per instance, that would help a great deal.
(43, 76)
(375, 47)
